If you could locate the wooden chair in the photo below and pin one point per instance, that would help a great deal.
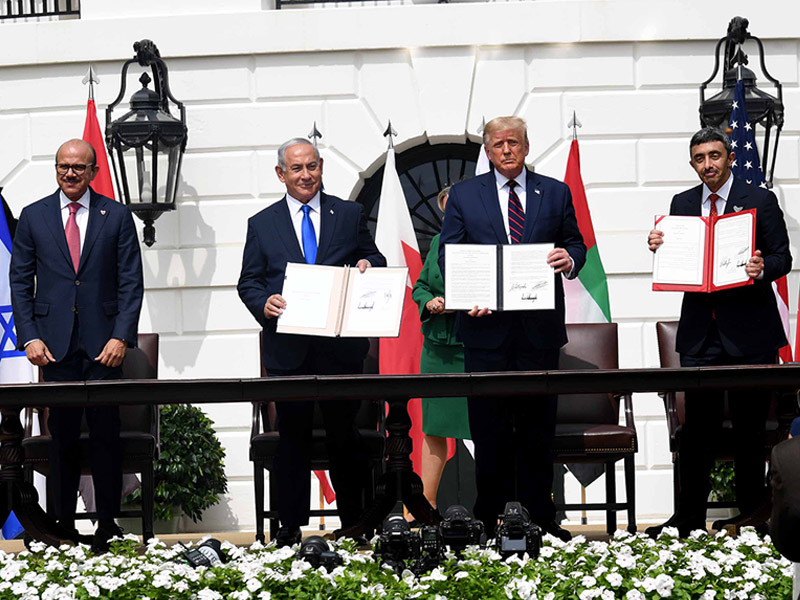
(778, 420)
(587, 425)
(264, 438)
(139, 435)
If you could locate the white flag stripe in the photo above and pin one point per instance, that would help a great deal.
(394, 220)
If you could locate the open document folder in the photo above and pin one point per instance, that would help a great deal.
(342, 301)
(701, 254)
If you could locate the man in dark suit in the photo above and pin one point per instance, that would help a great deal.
(513, 437)
(739, 326)
(76, 291)
(308, 226)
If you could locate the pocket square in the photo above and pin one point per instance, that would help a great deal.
(737, 208)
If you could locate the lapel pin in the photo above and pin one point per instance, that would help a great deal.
(737, 208)
(331, 211)
(102, 212)
(538, 192)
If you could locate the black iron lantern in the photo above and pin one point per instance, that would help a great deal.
(147, 143)
(763, 109)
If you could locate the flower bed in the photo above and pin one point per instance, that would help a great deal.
(630, 567)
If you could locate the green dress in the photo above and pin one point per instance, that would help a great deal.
(441, 353)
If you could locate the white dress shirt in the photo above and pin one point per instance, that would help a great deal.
(723, 193)
(502, 195)
(296, 212)
(81, 217)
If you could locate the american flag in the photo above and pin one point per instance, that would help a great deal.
(747, 167)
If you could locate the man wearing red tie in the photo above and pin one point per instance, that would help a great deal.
(514, 437)
(76, 292)
(739, 326)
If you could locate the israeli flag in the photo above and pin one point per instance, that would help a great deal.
(14, 366)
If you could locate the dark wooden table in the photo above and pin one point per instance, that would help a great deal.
(399, 481)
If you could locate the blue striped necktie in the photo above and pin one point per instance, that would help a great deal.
(309, 237)
(516, 214)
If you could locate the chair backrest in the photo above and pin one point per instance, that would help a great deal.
(140, 363)
(590, 346)
(666, 333)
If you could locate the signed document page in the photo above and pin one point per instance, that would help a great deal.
(681, 258)
(528, 281)
(374, 302)
(733, 247)
(470, 276)
(312, 295)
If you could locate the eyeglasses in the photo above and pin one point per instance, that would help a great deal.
(63, 168)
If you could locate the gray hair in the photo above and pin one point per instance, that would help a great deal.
(293, 142)
(710, 134)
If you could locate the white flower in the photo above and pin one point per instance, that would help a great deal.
(265, 596)
(634, 595)
(588, 581)
(614, 579)
(664, 585)
(709, 594)
(92, 589)
(208, 594)
(253, 585)
(461, 575)
(240, 595)
(626, 561)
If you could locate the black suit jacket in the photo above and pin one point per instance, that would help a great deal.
(271, 243)
(473, 217)
(46, 292)
(747, 318)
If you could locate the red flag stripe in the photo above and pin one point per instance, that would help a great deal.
(92, 134)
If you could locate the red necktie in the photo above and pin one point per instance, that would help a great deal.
(516, 215)
(713, 199)
(73, 235)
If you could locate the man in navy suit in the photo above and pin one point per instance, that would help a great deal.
(308, 226)
(739, 326)
(514, 437)
(76, 291)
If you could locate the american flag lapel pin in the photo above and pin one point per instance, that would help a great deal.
(103, 212)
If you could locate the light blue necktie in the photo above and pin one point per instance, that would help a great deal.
(309, 237)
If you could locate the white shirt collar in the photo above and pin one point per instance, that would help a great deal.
(296, 206)
(83, 200)
(502, 180)
(722, 192)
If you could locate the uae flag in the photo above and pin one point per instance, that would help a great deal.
(587, 294)
(395, 238)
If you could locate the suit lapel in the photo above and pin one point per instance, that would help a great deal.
(489, 199)
(98, 215)
(737, 197)
(285, 228)
(327, 225)
(52, 217)
(534, 196)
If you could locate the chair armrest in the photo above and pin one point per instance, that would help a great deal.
(155, 426)
(255, 426)
(628, 408)
(671, 409)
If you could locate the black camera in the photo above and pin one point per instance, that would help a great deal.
(431, 549)
(516, 534)
(397, 543)
(317, 552)
(459, 529)
(207, 554)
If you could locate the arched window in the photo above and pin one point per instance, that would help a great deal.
(424, 170)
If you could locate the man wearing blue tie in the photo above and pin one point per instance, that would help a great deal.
(513, 436)
(308, 226)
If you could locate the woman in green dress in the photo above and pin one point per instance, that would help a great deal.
(442, 418)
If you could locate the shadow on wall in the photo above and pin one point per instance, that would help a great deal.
(184, 270)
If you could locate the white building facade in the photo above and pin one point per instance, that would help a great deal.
(251, 77)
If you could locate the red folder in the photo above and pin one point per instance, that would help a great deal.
(708, 260)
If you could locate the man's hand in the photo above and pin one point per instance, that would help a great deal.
(435, 306)
(363, 265)
(560, 260)
(754, 266)
(479, 312)
(113, 353)
(38, 353)
(274, 306)
(655, 239)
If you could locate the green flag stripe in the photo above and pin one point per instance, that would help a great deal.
(593, 278)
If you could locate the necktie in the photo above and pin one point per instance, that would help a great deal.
(73, 235)
(309, 237)
(713, 199)
(516, 215)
